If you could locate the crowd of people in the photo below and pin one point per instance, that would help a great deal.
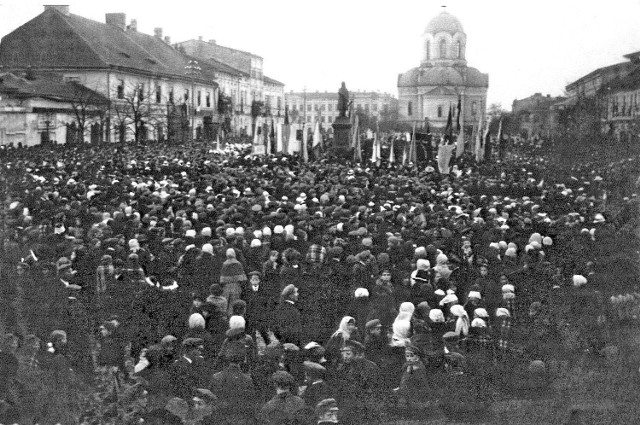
(284, 291)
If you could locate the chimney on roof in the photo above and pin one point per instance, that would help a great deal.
(157, 32)
(117, 20)
(212, 41)
(133, 26)
(167, 39)
(199, 38)
(62, 8)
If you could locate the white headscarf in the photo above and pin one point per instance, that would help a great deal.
(343, 329)
(402, 325)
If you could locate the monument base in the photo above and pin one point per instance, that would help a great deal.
(342, 138)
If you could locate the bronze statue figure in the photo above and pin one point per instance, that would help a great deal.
(343, 100)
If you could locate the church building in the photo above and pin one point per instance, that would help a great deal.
(427, 91)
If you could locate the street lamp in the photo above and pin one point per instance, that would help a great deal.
(193, 69)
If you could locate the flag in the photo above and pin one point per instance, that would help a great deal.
(412, 147)
(317, 137)
(460, 142)
(392, 155)
(449, 127)
(256, 133)
(444, 156)
(478, 139)
(305, 136)
(357, 153)
(285, 131)
(405, 145)
(293, 145)
(459, 111)
(374, 149)
(272, 137)
(486, 140)
(279, 138)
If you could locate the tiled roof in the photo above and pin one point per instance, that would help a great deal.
(268, 80)
(55, 40)
(48, 88)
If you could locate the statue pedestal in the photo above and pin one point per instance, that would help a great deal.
(342, 138)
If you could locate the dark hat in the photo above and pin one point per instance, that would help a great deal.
(375, 323)
(290, 347)
(314, 369)
(283, 379)
(450, 336)
(354, 346)
(413, 349)
(192, 343)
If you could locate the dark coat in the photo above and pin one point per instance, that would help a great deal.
(287, 323)
(235, 391)
(282, 408)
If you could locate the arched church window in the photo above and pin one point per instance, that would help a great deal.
(439, 111)
(428, 50)
(443, 49)
(474, 108)
(410, 108)
(458, 50)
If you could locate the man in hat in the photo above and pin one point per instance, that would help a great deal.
(284, 405)
(327, 412)
(357, 384)
(187, 371)
(235, 391)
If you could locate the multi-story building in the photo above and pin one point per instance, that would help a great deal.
(154, 90)
(613, 90)
(429, 90)
(244, 82)
(312, 107)
(533, 115)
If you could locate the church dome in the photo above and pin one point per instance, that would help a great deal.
(444, 22)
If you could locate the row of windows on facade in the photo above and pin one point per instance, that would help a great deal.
(443, 49)
(624, 109)
(329, 107)
(141, 95)
(440, 113)
(243, 99)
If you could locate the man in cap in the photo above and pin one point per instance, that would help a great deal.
(316, 388)
(357, 384)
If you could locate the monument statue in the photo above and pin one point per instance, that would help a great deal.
(343, 100)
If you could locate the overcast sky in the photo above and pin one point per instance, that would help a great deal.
(539, 46)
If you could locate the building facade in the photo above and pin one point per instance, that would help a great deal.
(429, 90)
(613, 93)
(312, 107)
(533, 116)
(36, 110)
(244, 81)
(154, 90)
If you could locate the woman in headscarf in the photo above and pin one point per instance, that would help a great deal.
(346, 330)
(462, 321)
(402, 325)
(438, 327)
